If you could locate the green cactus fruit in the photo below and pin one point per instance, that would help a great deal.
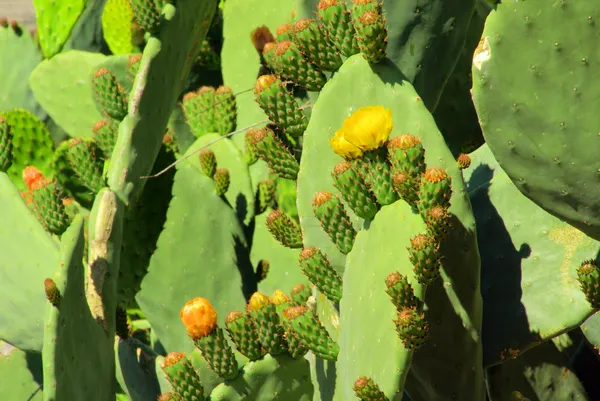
(435, 189)
(183, 377)
(133, 66)
(294, 344)
(284, 229)
(208, 162)
(367, 390)
(406, 188)
(249, 148)
(121, 323)
(109, 94)
(46, 200)
(280, 105)
(588, 275)
(423, 254)
(170, 141)
(371, 29)
(337, 24)
(292, 65)
(207, 56)
(300, 294)
(400, 291)
(407, 155)
(147, 14)
(315, 46)
(284, 32)
(262, 270)
(319, 271)
(266, 195)
(83, 158)
(463, 161)
(243, 332)
(354, 190)
(222, 181)
(270, 332)
(268, 54)
(5, 145)
(334, 220)
(168, 397)
(437, 219)
(198, 108)
(52, 292)
(105, 134)
(218, 354)
(307, 326)
(374, 167)
(225, 110)
(412, 328)
(272, 151)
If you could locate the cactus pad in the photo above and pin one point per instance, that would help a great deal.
(55, 20)
(117, 20)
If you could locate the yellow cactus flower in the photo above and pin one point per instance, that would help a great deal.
(368, 128)
(258, 301)
(279, 297)
(199, 318)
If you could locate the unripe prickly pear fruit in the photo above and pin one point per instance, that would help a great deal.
(319, 271)
(337, 25)
(424, 256)
(284, 229)
(250, 150)
(400, 291)
(243, 332)
(279, 105)
(52, 292)
(300, 294)
(6, 145)
(268, 55)
(198, 108)
(463, 161)
(225, 110)
(266, 195)
(412, 328)
(109, 94)
(272, 151)
(207, 56)
(305, 325)
(407, 157)
(208, 162)
(435, 189)
(371, 29)
(295, 346)
(437, 219)
(83, 158)
(270, 332)
(375, 168)
(588, 275)
(183, 377)
(354, 190)
(167, 397)
(334, 219)
(315, 45)
(105, 134)
(367, 390)
(284, 32)
(147, 14)
(291, 64)
(222, 181)
(47, 201)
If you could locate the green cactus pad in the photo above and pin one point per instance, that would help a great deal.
(355, 191)
(266, 195)
(374, 167)
(307, 327)
(334, 220)
(208, 162)
(285, 230)
(529, 264)
(412, 328)
(135, 366)
(424, 256)
(282, 375)
(222, 181)
(435, 189)
(243, 332)
(105, 134)
(71, 328)
(54, 21)
(317, 268)
(280, 105)
(367, 390)
(337, 23)
(147, 14)
(272, 151)
(117, 20)
(371, 29)
(315, 45)
(199, 110)
(6, 145)
(84, 159)
(22, 373)
(529, 106)
(218, 354)
(110, 95)
(400, 291)
(291, 64)
(225, 110)
(270, 331)
(32, 144)
(182, 376)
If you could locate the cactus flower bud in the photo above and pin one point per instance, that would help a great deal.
(279, 297)
(199, 318)
(258, 301)
(33, 178)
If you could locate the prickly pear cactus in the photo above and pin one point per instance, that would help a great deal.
(117, 20)
(22, 372)
(55, 20)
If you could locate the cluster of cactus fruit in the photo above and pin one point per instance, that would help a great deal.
(373, 157)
